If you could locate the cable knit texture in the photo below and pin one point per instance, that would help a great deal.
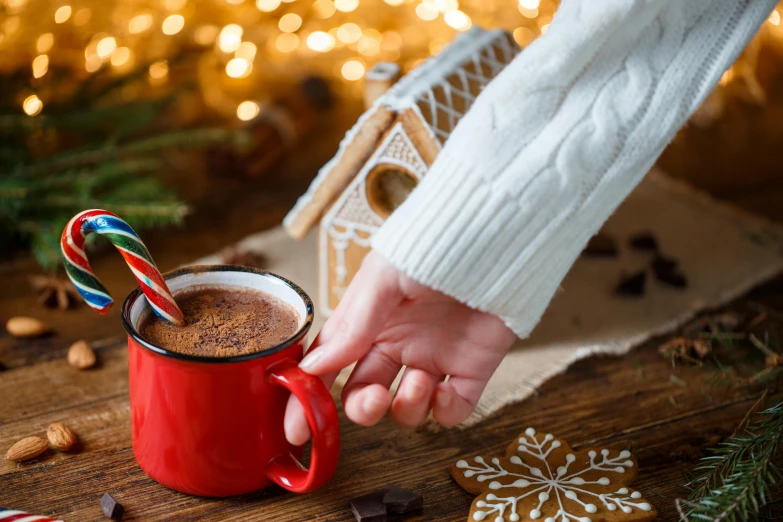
(555, 143)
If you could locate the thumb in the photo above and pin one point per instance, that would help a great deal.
(357, 321)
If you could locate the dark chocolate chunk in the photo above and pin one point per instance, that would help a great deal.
(399, 500)
(601, 245)
(370, 507)
(111, 508)
(633, 285)
(644, 241)
(667, 271)
(3, 367)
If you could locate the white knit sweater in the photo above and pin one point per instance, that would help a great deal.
(556, 142)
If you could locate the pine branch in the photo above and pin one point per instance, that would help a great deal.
(180, 139)
(735, 481)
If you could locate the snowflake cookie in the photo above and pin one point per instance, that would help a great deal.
(541, 477)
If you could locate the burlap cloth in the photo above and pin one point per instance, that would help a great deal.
(723, 251)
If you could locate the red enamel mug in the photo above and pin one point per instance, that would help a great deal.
(213, 426)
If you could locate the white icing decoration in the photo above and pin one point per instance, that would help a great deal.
(351, 220)
(549, 482)
(383, 71)
(479, 515)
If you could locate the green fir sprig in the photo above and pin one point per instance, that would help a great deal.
(734, 482)
(90, 150)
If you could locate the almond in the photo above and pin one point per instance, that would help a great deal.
(60, 436)
(81, 355)
(26, 327)
(26, 449)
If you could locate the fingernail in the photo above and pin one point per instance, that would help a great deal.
(444, 399)
(414, 391)
(370, 406)
(310, 359)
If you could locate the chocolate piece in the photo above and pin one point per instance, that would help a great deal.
(633, 285)
(399, 500)
(666, 271)
(644, 241)
(111, 508)
(601, 245)
(370, 507)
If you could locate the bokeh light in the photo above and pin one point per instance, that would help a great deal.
(62, 14)
(140, 23)
(247, 110)
(32, 105)
(44, 42)
(320, 41)
(290, 22)
(230, 38)
(173, 24)
(352, 70)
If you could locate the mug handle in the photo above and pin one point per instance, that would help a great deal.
(285, 470)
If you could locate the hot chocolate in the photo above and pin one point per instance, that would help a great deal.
(223, 322)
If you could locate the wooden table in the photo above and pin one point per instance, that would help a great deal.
(616, 402)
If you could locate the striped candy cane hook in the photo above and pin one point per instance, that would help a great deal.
(12, 515)
(132, 249)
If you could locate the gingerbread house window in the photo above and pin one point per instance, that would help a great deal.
(387, 187)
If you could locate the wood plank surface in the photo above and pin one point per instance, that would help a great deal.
(628, 402)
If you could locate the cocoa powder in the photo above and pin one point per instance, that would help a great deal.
(221, 322)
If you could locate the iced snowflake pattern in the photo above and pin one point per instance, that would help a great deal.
(541, 477)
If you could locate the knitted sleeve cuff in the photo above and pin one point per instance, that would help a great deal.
(498, 227)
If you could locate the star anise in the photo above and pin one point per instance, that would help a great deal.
(54, 292)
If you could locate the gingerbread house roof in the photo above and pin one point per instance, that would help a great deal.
(436, 95)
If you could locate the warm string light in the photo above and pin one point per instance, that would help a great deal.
(32, 105)
(40, 65)
(320, 41)
(267, 6)
(290, 23)
(140, 23)
(352, 70)
(230, 38)
(62, 14)
(295, 32)
(159, 70)
(172, 24)
(247, 110)
(44, 42)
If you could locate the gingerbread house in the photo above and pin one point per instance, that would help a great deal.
(389, 149)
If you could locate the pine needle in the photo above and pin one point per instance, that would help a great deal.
(734, 482)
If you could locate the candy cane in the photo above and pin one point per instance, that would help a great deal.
(132, 249)
(12, 515)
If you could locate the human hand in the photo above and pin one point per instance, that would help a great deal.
(386, 321)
